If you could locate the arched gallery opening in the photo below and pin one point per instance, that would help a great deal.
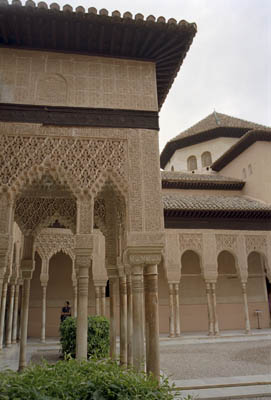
(193, 302)
(230, 306)
(257, 291)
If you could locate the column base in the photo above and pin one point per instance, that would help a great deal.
(178, 335)
(248, 332)
(14, 342)
(171, 336)
(217, 334)
(211, 334)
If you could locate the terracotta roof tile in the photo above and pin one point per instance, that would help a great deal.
(217, 203)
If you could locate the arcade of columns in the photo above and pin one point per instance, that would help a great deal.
(208, 246)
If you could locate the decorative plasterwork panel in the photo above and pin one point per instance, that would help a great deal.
(226, 242)
(51, 241)
(31, 213)
(190, 241)
(77, 161)
(255, 243)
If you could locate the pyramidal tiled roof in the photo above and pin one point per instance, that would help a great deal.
(217, 120)
(214, 126)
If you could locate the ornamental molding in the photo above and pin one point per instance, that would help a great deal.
(51, 241)
(190, 241)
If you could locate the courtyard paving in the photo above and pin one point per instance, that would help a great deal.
(210, 368)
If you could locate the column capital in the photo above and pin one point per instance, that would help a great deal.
(83, 244)
(145, 255)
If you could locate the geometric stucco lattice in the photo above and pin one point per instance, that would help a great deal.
(226, 242)
(255, 243)
(30, 213)
(191, 241)
(82, 159)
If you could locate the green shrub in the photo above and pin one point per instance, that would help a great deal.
(81, 380)
(98, 336)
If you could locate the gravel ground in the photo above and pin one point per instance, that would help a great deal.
(194, 361)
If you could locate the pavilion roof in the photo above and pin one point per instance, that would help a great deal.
(88, 32)
(213, 126)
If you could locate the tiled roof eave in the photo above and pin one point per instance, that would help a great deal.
(211, 213)
(171, 184)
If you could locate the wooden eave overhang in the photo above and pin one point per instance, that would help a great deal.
(247, 140)
(209, 185)
(40, 28)
(200, 137)
(222, 214)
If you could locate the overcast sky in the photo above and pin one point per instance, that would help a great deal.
(228, 67)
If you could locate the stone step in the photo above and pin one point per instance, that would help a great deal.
(225, 388)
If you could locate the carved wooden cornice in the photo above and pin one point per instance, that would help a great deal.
(79, 116)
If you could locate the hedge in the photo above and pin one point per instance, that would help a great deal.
(81, 380)
(98, 337)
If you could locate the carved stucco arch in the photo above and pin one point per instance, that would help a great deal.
(267, 265)
(236, 262)
(191, 242)
(198, 253)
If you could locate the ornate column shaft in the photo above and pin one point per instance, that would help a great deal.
(211, 331)
(129, 320)
(83, 264)
(3, 311)
(247, 321)
(103, 304)
(15, 314)
(138, 316)
(177, 309)
(10, 315)
(24, 320)
(152, 320)
(113, 289)
(171, 311)
(216, 327)
(97, 300)
(123, 320)
(43, 313)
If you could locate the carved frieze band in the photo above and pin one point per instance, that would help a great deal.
(75, 116)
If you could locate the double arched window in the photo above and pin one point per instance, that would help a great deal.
(206, 159)
(192, 163)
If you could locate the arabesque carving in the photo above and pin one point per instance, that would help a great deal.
(31, 212)
(226, 242)
(51, 241)
(191, 241)
(255, 243)
(80, 161)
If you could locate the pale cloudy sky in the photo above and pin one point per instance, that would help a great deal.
(228, 66)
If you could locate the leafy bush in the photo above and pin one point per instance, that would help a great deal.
(81, 380)
(98, 336)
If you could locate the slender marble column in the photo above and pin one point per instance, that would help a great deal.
(113, 287)
(97, 300)
(123, 320)
(177, 309)
(3, 311)
(247, 322)
(82, 318)
(103, 308)
(10, 315)
(129, 321)
(15, 315)
(138, 316)
(210, 310)
(152, 320)
(24, 323)
(43, 314)
(171, 311)
(75, 297)
(216, 328)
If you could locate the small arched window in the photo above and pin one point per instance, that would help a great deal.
(249, 169)
(172, 168)
(192, 163)
(206, 159)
